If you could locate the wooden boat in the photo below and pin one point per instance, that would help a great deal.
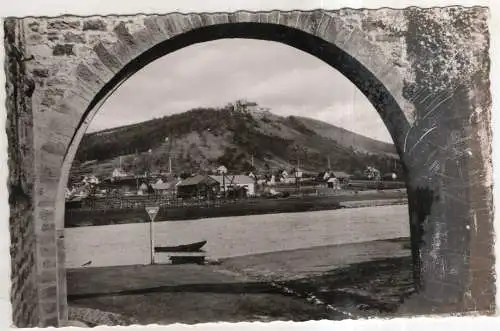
(194, 247)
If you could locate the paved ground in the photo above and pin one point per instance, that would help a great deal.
(292, 285)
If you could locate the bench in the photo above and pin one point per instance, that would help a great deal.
(186, 257)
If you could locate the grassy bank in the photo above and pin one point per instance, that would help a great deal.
(88, 217)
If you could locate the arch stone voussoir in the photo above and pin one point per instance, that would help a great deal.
(176, 24)
(310, 21)
(274, 17)
(122, 52)
(244, 16)
(73, 105)
(86, 91)
(107, 57)
(98, 68)
(155, 28)
(133, 43)
(196, 21)
(221, 18)
(290, 19)
(88, 77)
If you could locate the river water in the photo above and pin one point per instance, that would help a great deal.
(129, 244)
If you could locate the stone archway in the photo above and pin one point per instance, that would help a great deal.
(78, 62)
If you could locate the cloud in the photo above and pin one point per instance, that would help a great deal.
(280, 77)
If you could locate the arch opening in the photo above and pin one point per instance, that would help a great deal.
(352, 69)
(386, 106)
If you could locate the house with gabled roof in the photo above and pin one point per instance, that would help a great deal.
(227, 182)
(166, 187)
(197, 186)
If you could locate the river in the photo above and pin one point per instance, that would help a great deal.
(129, 244)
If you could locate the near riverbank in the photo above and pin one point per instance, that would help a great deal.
(328, 282)
(98, 217)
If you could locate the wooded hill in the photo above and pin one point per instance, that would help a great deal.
(234, 136)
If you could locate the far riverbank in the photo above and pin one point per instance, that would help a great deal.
(112, 216)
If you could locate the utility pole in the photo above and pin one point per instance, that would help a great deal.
(329, 166)
(169, 141)
(224, 184)
(150, 168)
(136, 174)
(297, 179)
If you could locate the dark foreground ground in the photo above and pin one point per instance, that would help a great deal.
(334, 282)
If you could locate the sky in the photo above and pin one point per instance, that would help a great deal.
(212, 74)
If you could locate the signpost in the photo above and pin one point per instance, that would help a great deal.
(152, 212)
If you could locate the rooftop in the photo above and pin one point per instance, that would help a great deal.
(196, 180)
(340, 174)
(234, 179)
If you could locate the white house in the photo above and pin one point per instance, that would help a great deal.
(372, 173)
(118, 172)
(390, 176)
(80, 192)
(326, 175)
(221, 170)
(91, 179)
(297, 174)
(333, 183)
(272, 181)
(69, 193)
(143, 189)
(284, 177)
(228, 181)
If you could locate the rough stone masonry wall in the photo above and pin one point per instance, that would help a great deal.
(23, 293)
(433, 63)
(450, 155)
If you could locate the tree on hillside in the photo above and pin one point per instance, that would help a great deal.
(184, 175)
(128, 163)
(247, 167)
(141, 164)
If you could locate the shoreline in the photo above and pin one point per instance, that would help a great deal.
(235, 236)
(81, 218)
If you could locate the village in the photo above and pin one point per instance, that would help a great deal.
(219, 184)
